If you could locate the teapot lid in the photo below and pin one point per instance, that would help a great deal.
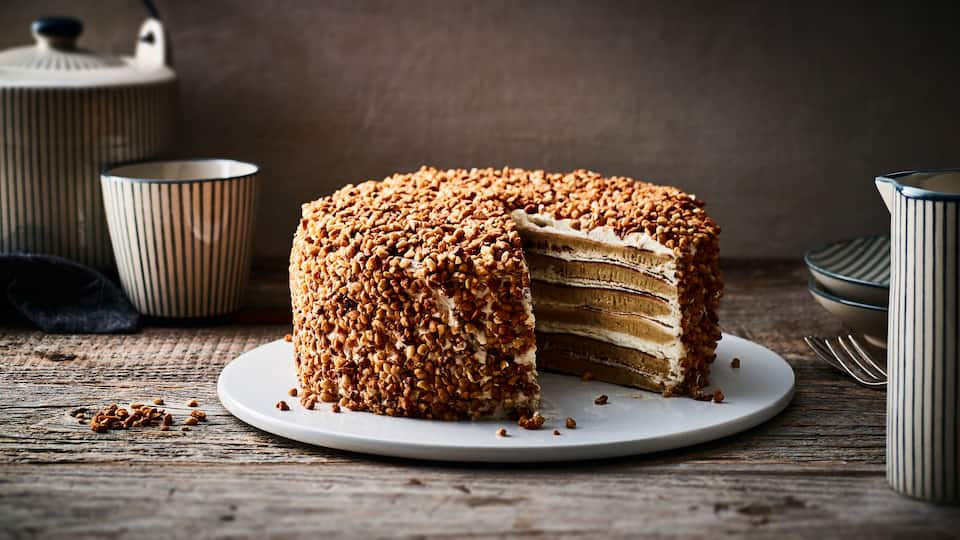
(56, 61)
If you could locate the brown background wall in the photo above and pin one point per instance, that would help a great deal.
(778, 114)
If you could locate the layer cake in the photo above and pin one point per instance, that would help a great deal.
(439, 293)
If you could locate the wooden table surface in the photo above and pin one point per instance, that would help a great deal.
(816, 470)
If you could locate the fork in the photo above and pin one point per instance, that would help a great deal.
(847, 355)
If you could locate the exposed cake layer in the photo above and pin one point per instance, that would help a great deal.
(604, 361)
(635, 328)
(642, 304)
(604, 275)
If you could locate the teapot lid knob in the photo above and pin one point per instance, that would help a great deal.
(57, 32)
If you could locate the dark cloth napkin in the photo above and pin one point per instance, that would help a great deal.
(63, 297)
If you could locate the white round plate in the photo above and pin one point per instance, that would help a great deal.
(633, 422)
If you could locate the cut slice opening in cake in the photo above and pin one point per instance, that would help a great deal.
(606, 305)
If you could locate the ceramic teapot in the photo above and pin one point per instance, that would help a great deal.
(66, 113)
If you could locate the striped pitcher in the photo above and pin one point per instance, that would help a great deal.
(923, 349)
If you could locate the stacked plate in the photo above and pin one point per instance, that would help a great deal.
(851, 279)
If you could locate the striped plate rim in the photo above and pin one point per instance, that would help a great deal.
(816, 289)
(864, 260)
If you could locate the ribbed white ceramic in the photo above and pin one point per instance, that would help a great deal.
(181, 233)
(65, 113)
(923, 353)
(866, 319)
(633, 421)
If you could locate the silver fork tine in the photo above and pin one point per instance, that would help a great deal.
(822, 352)
(866, 357)
(876, 377)
(826, 352)
(852, 373)
(839, 358)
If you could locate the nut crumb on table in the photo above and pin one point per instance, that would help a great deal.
(735, 363)
(601, 400)
(556, 432)
(571, 423)
(292, 392)
(282, 405)
(117, 417)
(192, 403)
(718, 396)
(502, 432)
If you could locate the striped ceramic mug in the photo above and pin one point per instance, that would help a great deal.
(923, 348)
(182, 233)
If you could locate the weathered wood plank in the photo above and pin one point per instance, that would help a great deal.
(39, 428)
(598, 500)
(815, 470)
(830, 421)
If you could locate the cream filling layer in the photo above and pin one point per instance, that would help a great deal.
(607, 235)
(672, 352)
(534, 223)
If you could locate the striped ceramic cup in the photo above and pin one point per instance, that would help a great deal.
(923, 343)
(182, 233)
